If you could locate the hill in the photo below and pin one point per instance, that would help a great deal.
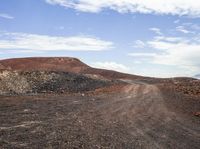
(65, 64)
(197, 76)
(54, 75)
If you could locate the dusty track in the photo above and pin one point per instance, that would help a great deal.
(138, 119)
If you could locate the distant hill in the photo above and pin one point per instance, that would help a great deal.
(197, 76)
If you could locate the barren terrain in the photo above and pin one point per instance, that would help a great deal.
(129, 112)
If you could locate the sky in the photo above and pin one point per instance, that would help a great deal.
(158, 38)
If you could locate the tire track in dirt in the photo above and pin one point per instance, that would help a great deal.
(141, 115)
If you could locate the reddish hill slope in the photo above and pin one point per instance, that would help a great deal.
(65, 64)
(110, 74)
(2, 67)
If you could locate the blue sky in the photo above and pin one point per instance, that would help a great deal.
(159, 39)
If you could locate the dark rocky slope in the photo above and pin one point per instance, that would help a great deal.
(26, 82)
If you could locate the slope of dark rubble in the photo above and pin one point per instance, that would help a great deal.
(26, 82)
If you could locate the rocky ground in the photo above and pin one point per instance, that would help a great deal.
(34, 82)
(141, 116)
(48, 105)
(191, 88)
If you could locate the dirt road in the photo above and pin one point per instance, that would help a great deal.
(137, 119)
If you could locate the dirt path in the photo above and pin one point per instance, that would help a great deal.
(136, 119)
(146, 122)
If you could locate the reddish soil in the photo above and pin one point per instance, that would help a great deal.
(109, 74)
(2, 67)
(44, 64)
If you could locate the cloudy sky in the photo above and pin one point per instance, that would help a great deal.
(159, 38)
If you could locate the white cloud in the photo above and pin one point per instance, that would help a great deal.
(111, 66)
(183, 53)
(169, 39)
(183, 30)
(35, 42)
(156, 30)
(6, 16)
(142, 54)
(176, 21)
(192, 26)
(139, 44)
(174, 7)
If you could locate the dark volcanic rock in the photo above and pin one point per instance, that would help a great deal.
(23, 82)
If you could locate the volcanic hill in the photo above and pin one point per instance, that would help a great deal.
(64, 64)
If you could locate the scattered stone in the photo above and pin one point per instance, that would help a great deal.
(25, 82)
